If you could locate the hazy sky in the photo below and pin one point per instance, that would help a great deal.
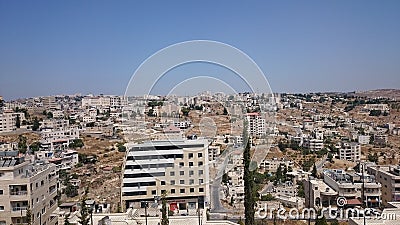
(66, 47)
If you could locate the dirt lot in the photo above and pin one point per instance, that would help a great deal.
(104, 177)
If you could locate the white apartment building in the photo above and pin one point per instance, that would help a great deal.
(24, 184)
(350, 151)
(54, 124)
(8, 146)
(271, 165)
(389, 177)
(349, 185)
(59, 114)
(313, 144)
(8, 120)
(319, 194)
(58, 139)
(178, 168)
(363, 139)
(256, 125)
(49, 102)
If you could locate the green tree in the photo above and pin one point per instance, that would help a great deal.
(185, 111)
(321, 221)
(28, 215)
(164, 210)
(84, 216)
(71, 191)
(49, 115)
(300, 191)
(279, 174)
(373, 158)
(335, 222)
(314, 171)
(22, 147)
(225, 111)
(76, 143)
(226, 140)
(35, 146)
(18, 121)
(330, 157)
(249, 200)
(66, 221)
(375, 112)
(121, 147)
(267, 197)
(225, 178)
(36, 124)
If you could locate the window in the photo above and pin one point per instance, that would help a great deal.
(201, 189)
(1, 207)
(200, 163)
(190, 163)
(182, 182)
(200, 172)
(172, 182)
(191, 190)
(181, 173)
(191, 181)
(181, 164)
(190, 155)
(1, 192)
(162, 182)
(153, 192)
(199, 155)
(191, 172)
(172, 173)
(201, 181)
(172, 191)
(182, 191)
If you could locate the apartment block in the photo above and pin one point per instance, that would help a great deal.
(271, 165)
(256, 125)
(349, 185)
(58, 139)
(364, 139)
(8, 120)
(350, 151)
(389, 177)
(25, 185)
(178, 168)
(314, 144)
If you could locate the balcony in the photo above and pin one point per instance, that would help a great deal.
(18, 190)
(18, 211)
(19, 193)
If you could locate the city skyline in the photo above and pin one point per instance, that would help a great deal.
(49, 48)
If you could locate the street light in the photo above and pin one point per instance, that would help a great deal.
(145, 204)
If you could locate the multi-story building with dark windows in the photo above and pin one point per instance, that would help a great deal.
(24, 186)
(177, 168)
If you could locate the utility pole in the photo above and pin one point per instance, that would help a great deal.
(199, 216)
(145, 211)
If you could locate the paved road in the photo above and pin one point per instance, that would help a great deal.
(320, 164)
(215, 186)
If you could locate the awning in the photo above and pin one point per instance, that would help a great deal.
(353, 202)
